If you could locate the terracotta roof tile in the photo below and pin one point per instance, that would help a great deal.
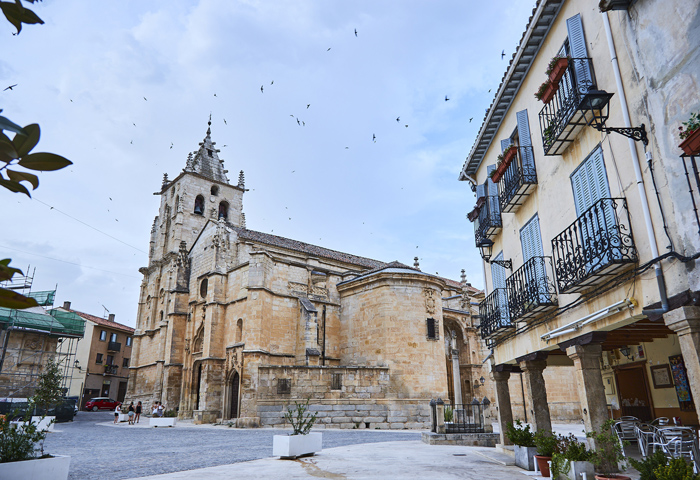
(103, 321)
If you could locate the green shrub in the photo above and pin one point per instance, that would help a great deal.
(17, 442)
(519, 435)
(170, 413)
(573, 450)
(608, 453)
(677, 469)
(299, 418)
(647, 467)
(449, 413)
(547, 443)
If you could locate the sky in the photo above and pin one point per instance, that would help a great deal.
(125, 89)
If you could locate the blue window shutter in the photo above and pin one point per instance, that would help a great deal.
(480, 191)
(525, 140)
(498, 273)
(590, 182)
(505, 143)
(577, 44)
(531, 239)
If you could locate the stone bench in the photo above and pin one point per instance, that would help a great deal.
(162, 421)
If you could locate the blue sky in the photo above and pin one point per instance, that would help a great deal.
(115, 84)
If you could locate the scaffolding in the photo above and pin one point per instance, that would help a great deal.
(44, 320)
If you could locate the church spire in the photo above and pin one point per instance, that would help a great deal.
(206, 161)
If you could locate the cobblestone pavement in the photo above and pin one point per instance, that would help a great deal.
(100, 450)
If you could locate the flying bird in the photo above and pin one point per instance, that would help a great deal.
(503, 54)
(355, 32)
(145, 98)
(308, 105)
(329, 49)
(272, 82)
(303, 123)
(406, 126)
(171, 146)
(224, 119)
(346, 148)
(374, 138)
(261, 89)
(110, 198)
(470, 120)
(298, 122)
(13, 86)
(131, 142)
(447, 98)
(398, 119)
(215, 94)
(489, 90)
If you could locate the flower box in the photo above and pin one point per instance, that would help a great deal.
(691, 144)
(50, 468)
(578, 468)
(549, 92)
(293, 446)
(558, 71)
(162, 421)
(123, 417)
(525, 457)
(503, 165)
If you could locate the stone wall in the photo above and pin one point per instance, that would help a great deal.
(24, 359)
(362, 401)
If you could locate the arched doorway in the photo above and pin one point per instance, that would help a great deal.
(233, 397)
(198, 386)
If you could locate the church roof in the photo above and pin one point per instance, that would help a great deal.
(298, 246)
(206, 161)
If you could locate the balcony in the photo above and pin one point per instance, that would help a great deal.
(519, 180)
(488, 222)
(568, 112)
(494, 313)
(531, 289)
(111, 369)
(595, 247)
(114, 346)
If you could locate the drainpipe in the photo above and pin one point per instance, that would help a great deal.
(638, 174)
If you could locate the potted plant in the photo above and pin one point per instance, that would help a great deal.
(449, 414)
(523, 440)
(546, 91)
(547, 444)
(556, 68)
(548, 135)
(301, 441)
(48, 394)
(690, 135)
(572, 459)
(503, 162)
(647, 467)
(608, 456)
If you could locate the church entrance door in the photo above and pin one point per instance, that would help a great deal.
(199, 385)
(234, 395)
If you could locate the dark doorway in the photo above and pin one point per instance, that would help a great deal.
(199, 383)
(633, 391)
(105, 388)
(234, 395)
(121, 393)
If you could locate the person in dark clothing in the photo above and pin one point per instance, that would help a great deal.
(138, 412)
(132, 411)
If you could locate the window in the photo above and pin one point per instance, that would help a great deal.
(125, 362)
(431, 324)
(336, 381)
(223, 210)
(128, 341)
(199, 205)
(209, 152)
(110, 360)
(239, 330)
(215, 190)
(203, 288)
(284, 386)
(103, 336)
(113, 337)
(98, 359)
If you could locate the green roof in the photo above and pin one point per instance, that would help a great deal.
(54, 322)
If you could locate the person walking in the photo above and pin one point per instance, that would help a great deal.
(138, 412)
(117, 411)
(132, 411)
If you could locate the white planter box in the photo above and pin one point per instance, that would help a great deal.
(54, 468)
(524, 457)
(44, 423)
(123, 417)
(292, 446)
(577, 468)
(162, 421)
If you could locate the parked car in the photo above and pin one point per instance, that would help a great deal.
(101, 403)
(74, 400)
(17, 408)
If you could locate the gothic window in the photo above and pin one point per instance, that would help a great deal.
(199, 205)
(284, 386)
(336, 381)
(198, 341)
(162, 295)
(203, 288)
(215, 190)
(432, 333)
(223, 210)
(239, 330)
(161, 316)
(209, 152)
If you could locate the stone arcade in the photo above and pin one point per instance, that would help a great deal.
(235, 324)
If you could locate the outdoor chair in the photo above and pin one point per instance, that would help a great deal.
(625, 431)
(646, 439)
(679, 442)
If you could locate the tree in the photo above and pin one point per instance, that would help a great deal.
(49, 391)
(15, 153)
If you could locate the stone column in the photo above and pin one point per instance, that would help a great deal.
(591, 392)
(685, 322)
(505, 411)
(456, 378)
(536, 391)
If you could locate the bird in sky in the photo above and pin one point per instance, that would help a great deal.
(503, 54)
(13, 86)
(308, 105)
(398, 119)
(131, 142)
(215, 94)
(346, 148)
(225, 146)
(292, 172)
(71, 100)
(272, 82)
(291, 115)
(470, 120)
(355, 32)
(447, 98)
(171, 146)
(261, 89)
(329, 49)
(374, 138)
(145, 98)
(489, 90)
(224, 119)
(303, 123)
(298, 122)
(406, 126)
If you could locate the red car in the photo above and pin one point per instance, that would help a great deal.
(101, 403)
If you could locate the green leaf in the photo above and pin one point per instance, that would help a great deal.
(6, 271)
(30, 17)
(13, 14)
(6, 124)
(14, 187)
(25, 142)
(44, 161)
(7, 149)
(10, 299)
(24, 177)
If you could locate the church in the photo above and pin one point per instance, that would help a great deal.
(235, 325)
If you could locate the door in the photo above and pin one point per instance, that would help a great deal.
(234, 395)
(199, 384)
(121, 392)
(105, 388)
(633, 392)
(535, 278)
(498, 276)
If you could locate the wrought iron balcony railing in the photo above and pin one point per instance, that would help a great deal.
(597, 245)
(563, 117)
(494, 313)
(111, 369)
(114, 346)
(489, 221)
(518, 181)
(531, 289)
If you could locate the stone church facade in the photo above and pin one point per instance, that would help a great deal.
(235, 324)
